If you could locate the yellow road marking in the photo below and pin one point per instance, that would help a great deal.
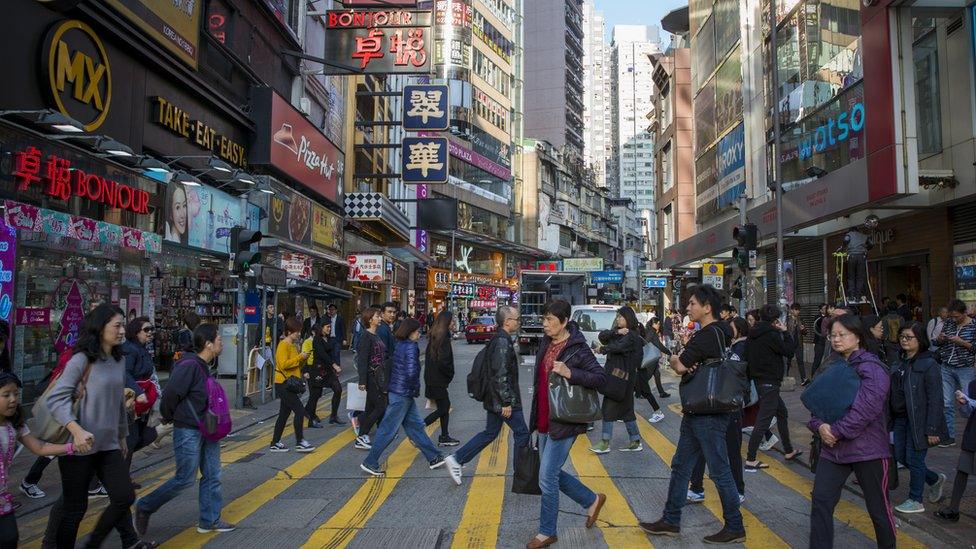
(339, 530)
(846, 512)
(757, 534)
(155, 478)
(483, 509)
(243, 506)
(624, 532)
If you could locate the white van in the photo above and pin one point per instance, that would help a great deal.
(593, 319)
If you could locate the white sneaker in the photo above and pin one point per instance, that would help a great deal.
(742, 499)
(696, 497)
(656, 416)
(304, 447)
(362, 443)
(747, 430)
(454, 468)
(767, 445)
(33, 492)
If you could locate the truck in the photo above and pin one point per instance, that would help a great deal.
(536, 288)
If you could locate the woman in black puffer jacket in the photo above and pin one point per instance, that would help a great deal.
(438, 374)
(625, 350)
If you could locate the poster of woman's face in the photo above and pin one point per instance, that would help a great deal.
(177, 216)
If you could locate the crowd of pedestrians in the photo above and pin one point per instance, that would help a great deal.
(106, 398)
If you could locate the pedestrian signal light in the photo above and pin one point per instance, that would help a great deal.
(240, 244)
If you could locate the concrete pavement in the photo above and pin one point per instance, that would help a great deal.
(322, 499)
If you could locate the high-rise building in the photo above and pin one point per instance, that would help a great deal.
(631, 173)
(596, 99)
(553, 92)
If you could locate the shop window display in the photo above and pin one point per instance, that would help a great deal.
(59, 280)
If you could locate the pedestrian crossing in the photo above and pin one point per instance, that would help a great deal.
(475, 514)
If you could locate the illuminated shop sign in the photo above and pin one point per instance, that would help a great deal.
(836, 130)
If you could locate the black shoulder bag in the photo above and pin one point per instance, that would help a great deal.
(717, 386)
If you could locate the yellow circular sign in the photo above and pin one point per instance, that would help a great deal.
(73, 72)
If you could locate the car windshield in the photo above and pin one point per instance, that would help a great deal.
(485, 320)
(591, 320)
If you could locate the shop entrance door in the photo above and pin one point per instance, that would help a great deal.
(907, 275)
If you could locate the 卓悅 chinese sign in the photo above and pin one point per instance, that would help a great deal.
(379, 41)
(425, 160)
(62, 180)
(425, 108)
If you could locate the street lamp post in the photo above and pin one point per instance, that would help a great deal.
(780, 287)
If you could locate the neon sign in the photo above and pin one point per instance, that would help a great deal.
(824, 136)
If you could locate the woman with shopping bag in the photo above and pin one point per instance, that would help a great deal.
(374, 374)
(563, 354)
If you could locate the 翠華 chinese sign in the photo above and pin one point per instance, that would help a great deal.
(426, 108)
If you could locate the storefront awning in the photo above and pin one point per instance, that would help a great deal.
(407, 253)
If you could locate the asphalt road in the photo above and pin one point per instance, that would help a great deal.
(322, 499)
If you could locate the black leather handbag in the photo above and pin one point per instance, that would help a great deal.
(293, 384)
(716, 387)
(570, 403)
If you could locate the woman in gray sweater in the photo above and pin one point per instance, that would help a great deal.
(102, 422)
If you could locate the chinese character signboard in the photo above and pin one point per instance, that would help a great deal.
(552, 266)
(607, 277)
(380, 41)
(425, 160)
(326, 229)
(425, 108)
(367, 268)
(582, 264)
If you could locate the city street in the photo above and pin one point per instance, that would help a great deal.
(323, 500)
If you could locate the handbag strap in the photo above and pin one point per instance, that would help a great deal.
(720, 336)
(81, 389)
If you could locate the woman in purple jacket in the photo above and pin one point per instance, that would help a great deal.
(856, 442)
(563, 352)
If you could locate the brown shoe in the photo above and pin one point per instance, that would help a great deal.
(660, 528)
(725, 536)
(537, 543)
(591, 519)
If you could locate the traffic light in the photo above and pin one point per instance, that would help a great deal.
(747, 240)
(240, 245)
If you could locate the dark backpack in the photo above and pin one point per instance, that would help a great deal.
(478, 376)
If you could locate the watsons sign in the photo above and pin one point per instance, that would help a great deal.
(836, 130)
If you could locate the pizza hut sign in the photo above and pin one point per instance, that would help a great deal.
(287, 141)
(366, 268)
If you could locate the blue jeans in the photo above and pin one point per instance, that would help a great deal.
(493, 426)
(191, 452)
(400, 411)
(914, 459)
(552, 480)
(631, 430)
(954, 379)
(703, 435)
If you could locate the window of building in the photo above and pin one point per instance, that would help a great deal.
(925, 53)
(666, 160)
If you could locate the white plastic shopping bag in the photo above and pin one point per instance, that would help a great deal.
(355, 398)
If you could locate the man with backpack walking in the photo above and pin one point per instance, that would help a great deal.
(494, 382)
(196, 405)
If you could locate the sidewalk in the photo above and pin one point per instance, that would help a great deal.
(149, 459)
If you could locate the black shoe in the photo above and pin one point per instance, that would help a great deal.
(947, 443)
(725, 536)
(437, 462)
(141, 522)
(665, 395)
(947, 515)
(336, 421)
(315, 424)
(445, 440)
(660, 528)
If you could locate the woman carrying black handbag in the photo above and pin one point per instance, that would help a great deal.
(288, 382)
(324, 372)
(563, 353)
(625, 350)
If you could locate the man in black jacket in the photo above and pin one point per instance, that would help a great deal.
(503, 402)
(768, 345)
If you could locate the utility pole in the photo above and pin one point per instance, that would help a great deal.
(744, 284)
(777, 179)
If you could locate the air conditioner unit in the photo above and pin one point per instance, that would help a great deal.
(305, 105)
